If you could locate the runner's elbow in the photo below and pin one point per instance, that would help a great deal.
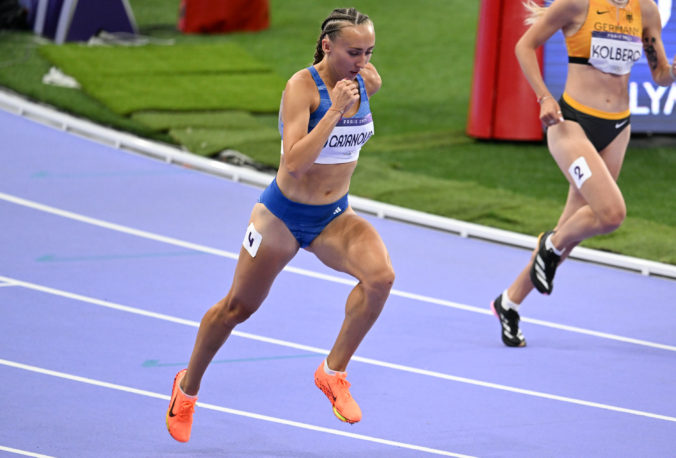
(295, 168)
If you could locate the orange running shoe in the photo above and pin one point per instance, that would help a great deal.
(337, 389)
(181, 408)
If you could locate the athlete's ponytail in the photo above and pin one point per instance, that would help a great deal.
(534, 11)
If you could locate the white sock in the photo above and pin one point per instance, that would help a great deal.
(507, 302)
(181, 389)
(550, 246)
(330, 371)
(186, 395)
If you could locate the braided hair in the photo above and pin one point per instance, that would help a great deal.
(339, 18)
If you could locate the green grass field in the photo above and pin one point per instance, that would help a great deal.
(213, 92)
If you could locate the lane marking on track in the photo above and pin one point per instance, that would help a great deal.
(242, 413)
(323, 351)
(317, 275)
(23, 452)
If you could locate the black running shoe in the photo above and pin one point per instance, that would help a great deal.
(509, 321)
(544, 266)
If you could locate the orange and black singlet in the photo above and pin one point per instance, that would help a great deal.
(609, 39)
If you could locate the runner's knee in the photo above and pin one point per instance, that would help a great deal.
(233, 311)
(380, 282)
(612, 217)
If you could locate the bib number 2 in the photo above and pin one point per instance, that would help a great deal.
(579, 171)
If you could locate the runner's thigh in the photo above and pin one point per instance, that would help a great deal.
(583, 166)
(267, 248)
(351, 244)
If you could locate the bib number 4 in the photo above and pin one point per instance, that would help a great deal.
(252, 240)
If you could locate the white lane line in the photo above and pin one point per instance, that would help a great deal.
(23, 452)
(243, 413)
(549, 324)
(309, 273)
(375, 362)
(113, 226)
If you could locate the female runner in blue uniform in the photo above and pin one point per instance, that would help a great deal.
(325, 119)
(588, 129)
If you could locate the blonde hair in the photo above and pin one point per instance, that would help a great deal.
(533, 11)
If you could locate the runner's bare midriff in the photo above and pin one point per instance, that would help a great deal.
(598, 90)
(321, 184)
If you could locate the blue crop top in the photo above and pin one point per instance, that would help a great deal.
(349, 135)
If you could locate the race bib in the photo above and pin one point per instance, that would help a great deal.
(614, 52)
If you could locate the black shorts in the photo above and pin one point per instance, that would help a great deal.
(600, 131)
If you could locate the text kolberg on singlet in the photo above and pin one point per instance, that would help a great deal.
(614, 52)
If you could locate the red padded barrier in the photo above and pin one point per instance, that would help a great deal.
(482, 101)
(221, 16)
(502, 104)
